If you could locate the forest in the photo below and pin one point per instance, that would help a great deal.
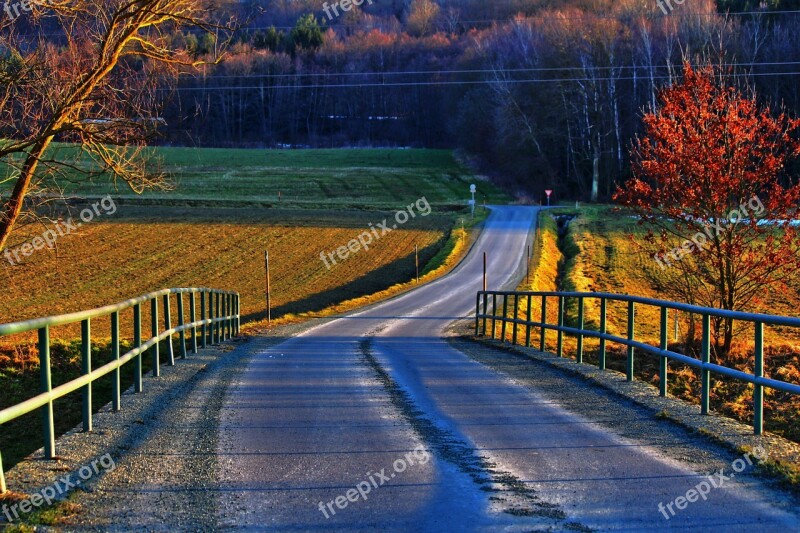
(538, 93)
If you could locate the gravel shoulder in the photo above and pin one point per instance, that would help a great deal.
(163, 443)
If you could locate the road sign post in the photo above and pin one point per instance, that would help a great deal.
(472, 190)
(548, 192)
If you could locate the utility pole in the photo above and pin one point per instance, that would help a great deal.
(528, 266)
(269, 292)
(484, 271)
(416, 260)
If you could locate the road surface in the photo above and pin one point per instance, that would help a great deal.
(307, 422)
(374, 422)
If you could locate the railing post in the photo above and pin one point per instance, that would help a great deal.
(181, 322)
(167, 327)
(663, 369)
(238, 314)
(505, 317)
(485, 308)
(203, 329)
(227, 316)
(528, 325)
(46, 386)
(3, 488)
(137, 342)
(224, 315)
(544, 321)
(211, 338)
(86, 368)
(705, 374)
(154, 350)
(193, 319)
(560, 345)
(601, 363)
(115, 385)
(494, 314)
(514, 328)
(631, 336)
(235, 315)
(579, 356)
(221, 316)
(217, 315)
(758, 390)
(477, 312)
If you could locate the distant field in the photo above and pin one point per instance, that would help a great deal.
(140, 250)
(351, 178)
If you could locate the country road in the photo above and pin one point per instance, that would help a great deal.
(374, 421)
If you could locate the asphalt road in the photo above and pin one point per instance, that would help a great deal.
(373, 422)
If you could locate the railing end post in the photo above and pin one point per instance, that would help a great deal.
(3, 488)
(48, 423)
(758, 371)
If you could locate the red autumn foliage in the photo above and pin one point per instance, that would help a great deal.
(711, 166)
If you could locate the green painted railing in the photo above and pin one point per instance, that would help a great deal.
(219, 320)
(703, 364)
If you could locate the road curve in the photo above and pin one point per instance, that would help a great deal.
(372, 421)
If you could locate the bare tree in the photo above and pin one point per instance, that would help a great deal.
(90, 73)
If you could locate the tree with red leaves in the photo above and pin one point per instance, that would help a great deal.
(710, 181)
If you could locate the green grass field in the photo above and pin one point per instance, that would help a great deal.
(349, 178)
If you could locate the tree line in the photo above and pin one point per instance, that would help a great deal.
(544, 94)
(548, 98)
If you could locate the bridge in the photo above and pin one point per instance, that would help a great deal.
(384, 419)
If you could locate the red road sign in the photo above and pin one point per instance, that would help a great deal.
(548, 192)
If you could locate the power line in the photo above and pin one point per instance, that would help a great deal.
(677, 12)
(446, 83)
(479, 71)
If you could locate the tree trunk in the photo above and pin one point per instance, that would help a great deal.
(13, 207)
(596, 169)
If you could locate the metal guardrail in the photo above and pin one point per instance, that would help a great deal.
(703, 364)
(219, 320)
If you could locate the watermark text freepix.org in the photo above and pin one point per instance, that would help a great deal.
(717, 480)
(699, 241)
(368, 238)
(373, 481)
(48, 238)
(666, 5)
(48, 495)
(332, 11)
(14, 9)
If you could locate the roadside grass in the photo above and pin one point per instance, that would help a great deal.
(596, 254)
(52, 515)
(454, 249)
